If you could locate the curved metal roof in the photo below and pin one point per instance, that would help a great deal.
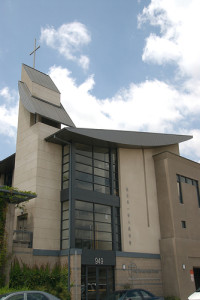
(125, 139)
(43, 108)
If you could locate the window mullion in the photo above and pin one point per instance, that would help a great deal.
(93, 168)
(94, 233)
(111, 172)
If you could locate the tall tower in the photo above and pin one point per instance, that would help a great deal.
(37, 164)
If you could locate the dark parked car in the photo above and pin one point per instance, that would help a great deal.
(134, 294)
(28, 295)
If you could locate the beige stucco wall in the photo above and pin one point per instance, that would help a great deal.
(138, 197)
(139, 273)
(26, 256)
(139, 211)
(180, 247)
(167, 166)
(75, 276)
(45, 94)
(38, 169)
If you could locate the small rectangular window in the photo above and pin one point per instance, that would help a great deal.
(103, 209)
(101, 154)
(101, 189)
(66, 149)
(183, 179)
(65, 244)
(189, 181)
(65, 214)
(101, 164)
(84, 150)
(84, 185)
(65, 224)
(83, 168)
(65, 184)
(66, 167)
(83, 176)
(183, 223)
(83, 215)
(65, 205)
(83, 159)
(65, 234)
(84, 205)
(101, 172)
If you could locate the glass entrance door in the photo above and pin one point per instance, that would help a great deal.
(92, 283)
(96, 282)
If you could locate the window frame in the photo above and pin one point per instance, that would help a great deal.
(183, 179)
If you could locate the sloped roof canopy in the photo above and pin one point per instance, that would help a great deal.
(43, 108)
(41, 78)
(7, 164)
(116, 138)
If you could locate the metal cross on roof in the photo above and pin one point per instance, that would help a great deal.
(33, 52)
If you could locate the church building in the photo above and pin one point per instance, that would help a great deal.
(120, 208)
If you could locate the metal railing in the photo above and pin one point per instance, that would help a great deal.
(23, 238)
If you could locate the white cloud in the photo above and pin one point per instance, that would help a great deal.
(177, 43)
(83, 108)
(178, 40)
(84, 62)
(191, 148)
(68, 40)
(152, 105)
(7, 94)
(160, 50)
(8, 113)
(149, 106)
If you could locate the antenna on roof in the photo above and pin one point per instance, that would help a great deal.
(33, 52)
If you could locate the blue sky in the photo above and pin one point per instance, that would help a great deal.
(119, 64)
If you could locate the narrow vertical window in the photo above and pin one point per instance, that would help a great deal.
(183, 223)
(179, 189)
(195, 183)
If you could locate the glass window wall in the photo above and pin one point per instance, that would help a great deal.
(96, 169)
(93, 226)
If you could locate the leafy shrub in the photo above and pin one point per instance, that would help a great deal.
(127, 286)
(6, 289)
(52, 280)
(171, 298)
(3, 250)
(8, 195)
